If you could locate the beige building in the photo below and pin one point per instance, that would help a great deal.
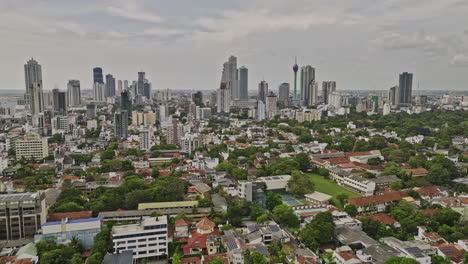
(143, 118)
(308, 115)
(32, 147)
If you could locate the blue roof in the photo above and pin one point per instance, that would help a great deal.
(74, 221)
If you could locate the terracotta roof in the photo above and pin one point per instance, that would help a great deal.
(205, 224)
(181, 222)
(209, 258)
(378, 199)
(453, 252)
(338, 160)
(352, 154)
(70, 215)
(347, 255)
(428, 191)
(305, 260)
(191, 260)
(429, 211)
(418, 171)
(383, 218)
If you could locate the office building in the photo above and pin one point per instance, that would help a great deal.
(405, 88)
(121, 124)
(99, 90)
(283, 93)
(126, 102)
(31, 146)
(147, 89)
(119, 87)
(223, 99)
(230, 77)
(261, 110)
(147, 239)
(243, 83)
(262, 91)
(110, 86)
(97, 75)
(392, 95)
(32, 74)
(21, 215)
(91, 111)
(36, 98)
(307, 85)
(197, 98)
(140, 83)
(328, 87)
(145, 140)
(59, 102)
(74, 93)
(271, 105)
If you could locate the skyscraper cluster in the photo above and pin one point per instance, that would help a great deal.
(234, 85)
(401, 95)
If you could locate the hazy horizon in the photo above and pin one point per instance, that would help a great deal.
(181, 45)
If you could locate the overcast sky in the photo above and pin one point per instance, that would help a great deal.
(182, 44)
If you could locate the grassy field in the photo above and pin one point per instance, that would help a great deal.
(331, 188)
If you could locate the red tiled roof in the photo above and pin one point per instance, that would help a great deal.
(347, 255)
(418, 171)
(70, 215)
(191, 260)
(305, 260)
(378, 199)
(181, 222)
(205, 224)
(453, 252)
(383, 218)
(429, 211)
(352, 154)
(209, 258)
(428, 191)
(338, 160)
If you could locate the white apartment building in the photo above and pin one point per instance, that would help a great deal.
(147, 240)
(190, 143)
(145, 140)
(32, 146)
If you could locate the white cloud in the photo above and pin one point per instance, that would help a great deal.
(161, 32)
(460, 60)
(73, 28)
(432, 45)
(232, 25)
(131, 10)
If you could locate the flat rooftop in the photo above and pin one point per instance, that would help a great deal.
(18, 197)
(74, 221)
(144, 206)
(135, 228)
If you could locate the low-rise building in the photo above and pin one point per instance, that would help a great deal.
(21, 215)
(147, 239)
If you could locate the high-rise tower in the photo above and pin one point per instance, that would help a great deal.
(295, 69)
(243, 83)
(97, 75)
(405, 88)
(74, 92)
(32, 74)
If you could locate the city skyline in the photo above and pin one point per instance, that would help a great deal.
(360, 44)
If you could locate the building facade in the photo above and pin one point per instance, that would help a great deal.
(21, 215)
(31, 147)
